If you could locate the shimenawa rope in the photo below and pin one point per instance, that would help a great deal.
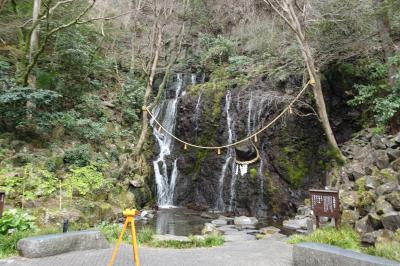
(254, 135)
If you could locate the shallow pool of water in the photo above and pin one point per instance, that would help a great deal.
(175, 221)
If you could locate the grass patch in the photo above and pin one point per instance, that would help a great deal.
(194, 242)
(348, 238)
(146, 237)
(345, 238)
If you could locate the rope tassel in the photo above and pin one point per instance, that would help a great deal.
(185, 147)
(219, 151)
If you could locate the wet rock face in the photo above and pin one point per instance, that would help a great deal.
(293, 153)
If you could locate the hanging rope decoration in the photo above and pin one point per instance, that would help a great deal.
(186, 144)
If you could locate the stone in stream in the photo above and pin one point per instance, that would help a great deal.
(209, 229)
(244, 220)
(269, 230)
(296, 224)
(219, 222)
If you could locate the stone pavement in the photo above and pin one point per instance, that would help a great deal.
(264, 252)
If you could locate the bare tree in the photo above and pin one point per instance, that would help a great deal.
(34, 39)
(293, 15)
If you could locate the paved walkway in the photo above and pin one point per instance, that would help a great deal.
(244, 253)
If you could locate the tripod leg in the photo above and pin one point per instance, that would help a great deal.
(118, 243)
(134, 243)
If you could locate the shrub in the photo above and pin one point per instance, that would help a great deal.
(84, 180)
(78, 156)
(16, 221)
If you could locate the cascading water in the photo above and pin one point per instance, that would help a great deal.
(166, 114)
(220, 205)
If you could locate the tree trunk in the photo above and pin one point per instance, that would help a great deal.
(149, 87)
(313, 73)
(34, 38)
(383, 26)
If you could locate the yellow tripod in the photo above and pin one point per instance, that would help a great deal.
(130, 218)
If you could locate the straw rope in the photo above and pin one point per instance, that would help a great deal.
(254, 135)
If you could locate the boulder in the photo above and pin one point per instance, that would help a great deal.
(391, 220)
(209, 229)
(393, 154)
(375, 220)
(50, 245)
(377, 142)
(348, 199)
(147, 214)
(381, 236)
(364, 225)
(370, 182)
(208, 215)
(355, 170)
(394, 199)
(296, 224)
(219, 222)
(304, 210)
(387, 188)
(269, 230)
(381, 159)
(244, 220)
(396, 164)
(349, 217)
(382, 206)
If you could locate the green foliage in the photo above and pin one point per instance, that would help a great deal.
(85, 180)
(79, 156)
(145, 235)
(8, 243)
(16, 221)
(28, 182)
(379, 98)
(215, 51)
(345, 238)
(131, 102)
(194, 242)
(295, 165)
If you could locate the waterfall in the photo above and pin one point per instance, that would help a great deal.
(249, 118)
(166, 114)
(197, 113)
(220, 205)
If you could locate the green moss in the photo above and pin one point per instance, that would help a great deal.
(296, 166)
(253, 174)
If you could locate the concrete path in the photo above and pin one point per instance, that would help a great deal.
(243, 253)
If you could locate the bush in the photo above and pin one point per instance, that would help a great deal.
(78, 156)
(85, 180)
(16, 221)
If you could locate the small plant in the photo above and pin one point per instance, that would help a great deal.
(16, 221)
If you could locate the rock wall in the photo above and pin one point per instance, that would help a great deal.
(294, 155)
